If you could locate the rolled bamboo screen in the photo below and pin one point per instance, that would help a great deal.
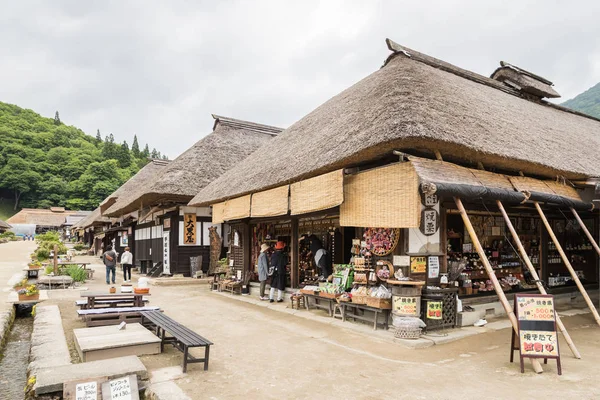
(270, 203)
(318, 193)
(525, 184)
(237, 208)
(382, 197)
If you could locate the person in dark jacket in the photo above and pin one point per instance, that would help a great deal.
(320, 256)
(278, 261)
(109, 258)
(263, 269)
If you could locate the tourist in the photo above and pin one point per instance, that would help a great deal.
(263, 269)
(127, 262)
(278, 263)
(320, 256)
(109, 258)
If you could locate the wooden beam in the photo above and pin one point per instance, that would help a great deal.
(438, 155)
(535, 276)
(568, 264)
(492, 275)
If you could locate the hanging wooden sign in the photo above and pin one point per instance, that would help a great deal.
(536, 319)
(430, 221)
(189, 229)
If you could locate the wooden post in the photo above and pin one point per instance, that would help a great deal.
(586, 231)
(533, 272)
(295, 259)
(568, 264)
(492, 275)
(55, 260)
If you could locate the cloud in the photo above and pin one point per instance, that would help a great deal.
(159, 69)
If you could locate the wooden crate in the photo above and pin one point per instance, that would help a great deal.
(385, 304)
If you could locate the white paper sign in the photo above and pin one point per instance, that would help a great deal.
(402, 261)
(434, 267)
(86, 391)
(120, 389)
(166, 253)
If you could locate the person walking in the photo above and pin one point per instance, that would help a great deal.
(263, 269)
(109, 258)
(278, 263)
(127, 262)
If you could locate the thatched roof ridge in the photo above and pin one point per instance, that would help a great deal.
(4, 225)
(53, 217)
(95, 218)
(128, 189)
(415, 102)
(232, 140)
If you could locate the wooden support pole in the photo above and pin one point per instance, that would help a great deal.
(535, 276)
(55, 260)
(586, 231)
(568, 264)
(492, 275)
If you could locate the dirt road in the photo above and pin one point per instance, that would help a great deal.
(260, 353)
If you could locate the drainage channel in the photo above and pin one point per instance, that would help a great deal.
(14, 357)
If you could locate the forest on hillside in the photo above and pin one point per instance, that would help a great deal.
(587, 102)
(45, 163)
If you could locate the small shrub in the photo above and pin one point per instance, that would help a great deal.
(49, 269)
(80, 246)
(42, 254)
(78, 274)
(50, 236)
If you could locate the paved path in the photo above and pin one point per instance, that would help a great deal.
(13, 258)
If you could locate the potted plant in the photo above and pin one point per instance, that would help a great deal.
(30, 293)
(22, 284)
(35, 265)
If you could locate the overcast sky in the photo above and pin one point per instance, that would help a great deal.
(159, 69)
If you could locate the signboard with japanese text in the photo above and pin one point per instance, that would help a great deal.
(83, 389)
(537, 336)
(429, 200)
(418, 265)
(433, 267)
(405, 305)
(166, 253)
(430, 221)
(124, 388)
(434, 309)
(189, 229)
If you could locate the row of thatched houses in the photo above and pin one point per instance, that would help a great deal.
(392, 151)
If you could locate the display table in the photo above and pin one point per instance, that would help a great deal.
(319, 302)
(358, 313)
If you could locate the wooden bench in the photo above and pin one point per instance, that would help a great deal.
(83, 304)
(182, 338)
(320, 302)
(113, 315)
(345, 306)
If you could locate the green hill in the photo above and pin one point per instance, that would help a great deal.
(45, 163)
(587, 102)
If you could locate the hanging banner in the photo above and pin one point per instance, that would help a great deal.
(189, 229)
(166, 253)
(434, 309)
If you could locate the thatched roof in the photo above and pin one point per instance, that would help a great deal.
(131, 189)
(4, 225)
(416, 102)
(230, 142)
(54, 217)
(94, 219)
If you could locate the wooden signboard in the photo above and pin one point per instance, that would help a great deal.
(189, 229)
(405, 305)
(537, 329)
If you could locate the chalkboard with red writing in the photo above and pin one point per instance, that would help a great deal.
(537, 336)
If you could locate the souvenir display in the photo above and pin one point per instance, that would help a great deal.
(381, 241)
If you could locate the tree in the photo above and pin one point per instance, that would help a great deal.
(154, 153)
(135, 147)
(18, 175)
(109, 148)
(146, 152)
(98, 137)
(56, 119)
(164, 157)
(123, 156)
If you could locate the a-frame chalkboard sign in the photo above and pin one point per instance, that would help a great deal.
(537, 329)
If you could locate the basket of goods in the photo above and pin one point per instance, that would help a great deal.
(310, 290)
(330, 291)
(380, 297)
(381, 241)
(344, 298)
(359, 295)
(384, 270)
(407, 327)
(360, 277)
(139, 290)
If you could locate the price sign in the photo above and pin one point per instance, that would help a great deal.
(418, 265)
(434, 309)
(537, 336)
(434, 267)
(405, 305)
(124, 388)
(86, 391)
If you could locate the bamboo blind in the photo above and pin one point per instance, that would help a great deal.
(237, 208)
(318, 193)
(217, 213)
(383, 197)
(522, 183)
(270, 203)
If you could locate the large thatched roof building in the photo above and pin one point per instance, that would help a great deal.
(418, 102)
(232, 140)
(44, 219)
(4, 226)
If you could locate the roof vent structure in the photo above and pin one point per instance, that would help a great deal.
(527, 83)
